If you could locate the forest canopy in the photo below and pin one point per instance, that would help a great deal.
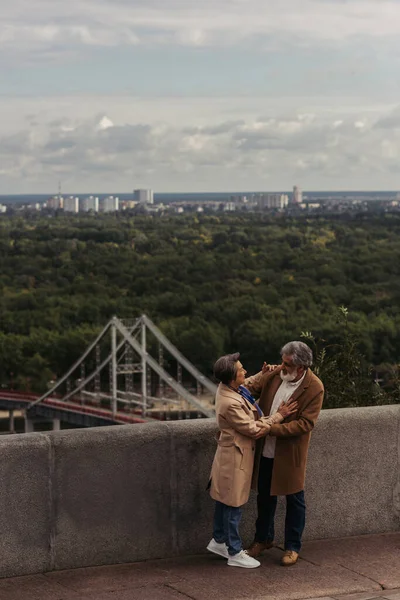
(212, 283)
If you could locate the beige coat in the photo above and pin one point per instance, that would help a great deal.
(233, 463)
(292, 436)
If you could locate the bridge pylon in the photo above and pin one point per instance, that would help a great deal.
(128, 369)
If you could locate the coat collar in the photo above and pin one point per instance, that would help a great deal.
(225, 390)
(275, 385)
(304, 384)
(228, 392)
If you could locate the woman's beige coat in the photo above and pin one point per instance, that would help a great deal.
(232, 468)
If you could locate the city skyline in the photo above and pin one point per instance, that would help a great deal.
(226, 95)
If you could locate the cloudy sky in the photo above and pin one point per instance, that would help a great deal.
(199, 95)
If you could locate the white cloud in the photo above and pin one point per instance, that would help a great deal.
(105, 123)
(390, 120)
(65, 26)
(319, 149)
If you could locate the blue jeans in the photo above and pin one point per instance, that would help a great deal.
(266, 505)
(226, 527)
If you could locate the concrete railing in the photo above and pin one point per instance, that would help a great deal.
(121, 494)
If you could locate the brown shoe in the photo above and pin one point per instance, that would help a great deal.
(289, 558)
(258, 548)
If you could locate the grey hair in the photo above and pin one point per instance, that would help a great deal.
(225, 368)
(299, 351)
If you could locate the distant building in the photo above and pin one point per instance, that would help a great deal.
(297, 195)
(272, 201)
(110, 204)
(55, 202)
(71, 204)
(126, 204)
(90, 204)
(239, 199)
(143, 196)
(3, 208)
(153, 208)
(311, 205)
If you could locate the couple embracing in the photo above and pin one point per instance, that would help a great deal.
(262, 445)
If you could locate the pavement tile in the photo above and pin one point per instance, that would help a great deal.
(34, 587)
(374, 556)
(184, 565)
(116, 577)
(346, 569)
(151, 592)
(212, 579)
(362, 596)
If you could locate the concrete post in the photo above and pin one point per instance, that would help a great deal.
(56, 424)
(29, 425)
(11, 422)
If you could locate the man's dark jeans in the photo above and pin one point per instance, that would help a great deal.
(266, 504)
(226, 527)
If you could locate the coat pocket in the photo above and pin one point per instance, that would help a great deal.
(239, 456)
(224, 466)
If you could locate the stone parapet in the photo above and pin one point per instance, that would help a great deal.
(130, 493)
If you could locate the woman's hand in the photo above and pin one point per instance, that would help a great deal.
(289, 408)
(264, 429)
(266, 368)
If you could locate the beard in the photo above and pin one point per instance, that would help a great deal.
(288, 377)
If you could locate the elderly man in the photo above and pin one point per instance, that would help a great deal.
(280, 462)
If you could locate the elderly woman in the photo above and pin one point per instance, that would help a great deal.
(241, 422)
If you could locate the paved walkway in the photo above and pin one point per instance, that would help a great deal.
(358, 568)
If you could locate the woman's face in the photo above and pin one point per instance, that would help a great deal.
(240, 374)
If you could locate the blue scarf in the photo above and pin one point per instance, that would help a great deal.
(244, 392)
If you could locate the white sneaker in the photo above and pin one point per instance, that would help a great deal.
(217, 548)
(242, 559)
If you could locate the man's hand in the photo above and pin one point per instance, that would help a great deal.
(264, 429)
(288, 409)
(267, 368)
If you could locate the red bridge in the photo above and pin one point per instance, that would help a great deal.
(73, 412)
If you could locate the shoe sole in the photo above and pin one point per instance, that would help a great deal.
(243, 566)
(218, 553)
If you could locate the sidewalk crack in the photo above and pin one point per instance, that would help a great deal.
(362, 575)
(183, 594)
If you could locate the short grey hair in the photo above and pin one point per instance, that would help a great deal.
(299, 351)
(225, 368)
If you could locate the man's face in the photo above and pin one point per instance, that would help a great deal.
(290, 372)
(287, 365)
